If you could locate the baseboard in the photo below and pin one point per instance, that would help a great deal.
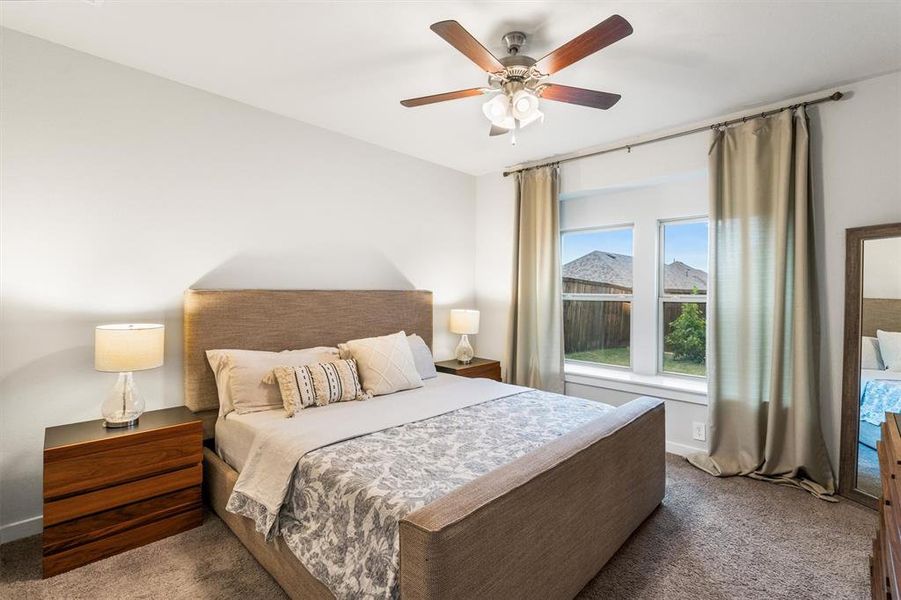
(21, 529)
(681, 449)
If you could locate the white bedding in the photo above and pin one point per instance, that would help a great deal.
(235, 433)
(276, 448)
(871, 374)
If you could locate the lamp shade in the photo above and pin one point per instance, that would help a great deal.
(464, 322)
(124, 348)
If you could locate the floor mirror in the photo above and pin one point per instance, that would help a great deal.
(872, 354)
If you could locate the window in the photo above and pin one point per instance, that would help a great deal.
(682, 299)
(597, 296)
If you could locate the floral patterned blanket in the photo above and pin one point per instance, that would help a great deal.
(341, 514)
(878, 397)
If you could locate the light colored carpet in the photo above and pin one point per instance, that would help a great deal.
(711, 539)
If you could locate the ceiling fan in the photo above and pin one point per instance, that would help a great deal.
(516, 81)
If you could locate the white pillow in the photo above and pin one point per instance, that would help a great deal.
(240, 373)
(890, 349)
(422, 357)
(385, 363)
(870, 357)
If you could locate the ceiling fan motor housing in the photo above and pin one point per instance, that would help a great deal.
(514, 41)
(517, 60)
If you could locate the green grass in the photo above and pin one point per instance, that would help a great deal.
(620, 357)
(607, 356)
(683, 367)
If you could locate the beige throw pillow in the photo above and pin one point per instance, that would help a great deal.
(318, 385)
(385, 363)
(240, 373)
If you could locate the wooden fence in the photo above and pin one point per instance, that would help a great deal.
(592, 325)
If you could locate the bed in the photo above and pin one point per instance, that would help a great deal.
(539, 523)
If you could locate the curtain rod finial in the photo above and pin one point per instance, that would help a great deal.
(837, 96)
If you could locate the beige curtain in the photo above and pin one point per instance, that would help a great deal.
(763, 380)
(536, 353)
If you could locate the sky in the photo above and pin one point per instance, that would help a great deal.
(577, 244)
(685, 242)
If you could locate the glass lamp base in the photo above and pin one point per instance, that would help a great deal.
(123, 404)
(464, 352)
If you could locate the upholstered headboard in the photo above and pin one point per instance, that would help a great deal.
(288, 319)
(880, 313)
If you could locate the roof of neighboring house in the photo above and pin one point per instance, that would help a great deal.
(616, 269)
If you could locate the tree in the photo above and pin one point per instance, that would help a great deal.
(688, 337)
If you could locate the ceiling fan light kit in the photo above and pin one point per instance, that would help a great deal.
(497, 110)
(516, 82)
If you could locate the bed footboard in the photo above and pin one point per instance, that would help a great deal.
(544, 525)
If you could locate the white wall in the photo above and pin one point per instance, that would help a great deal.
(882, 268)
(494, 269)
(122, 189)
(679, 415)
(856, 172)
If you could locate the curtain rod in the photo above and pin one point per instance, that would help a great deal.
(831, 98)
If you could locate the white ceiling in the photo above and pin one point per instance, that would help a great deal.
(346, 66)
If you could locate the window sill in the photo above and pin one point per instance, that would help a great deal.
(682, 389)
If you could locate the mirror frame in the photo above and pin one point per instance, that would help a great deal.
(854, 240)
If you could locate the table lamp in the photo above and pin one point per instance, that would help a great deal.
(122, 349)
(465, 323)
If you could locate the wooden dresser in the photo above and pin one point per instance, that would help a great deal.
(885, 564)
(111, 490)
(479, 367)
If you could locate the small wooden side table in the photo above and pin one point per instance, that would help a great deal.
(479, 367)
(110, 490)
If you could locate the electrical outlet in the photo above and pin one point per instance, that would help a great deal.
(699, 431)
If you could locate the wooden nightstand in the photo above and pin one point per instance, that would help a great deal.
(111, 490)
(479, 367)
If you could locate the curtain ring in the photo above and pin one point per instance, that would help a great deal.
(628, 149)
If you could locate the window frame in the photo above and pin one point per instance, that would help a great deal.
(600, 297)
(663, 297)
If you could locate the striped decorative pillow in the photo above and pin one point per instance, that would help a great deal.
(319, 384)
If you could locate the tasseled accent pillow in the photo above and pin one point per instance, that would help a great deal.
(318, 385)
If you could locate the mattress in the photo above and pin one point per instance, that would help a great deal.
(235, 433)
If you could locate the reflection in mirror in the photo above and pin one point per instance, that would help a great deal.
(880, 352)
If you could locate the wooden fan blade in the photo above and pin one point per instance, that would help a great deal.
(411, 102)
(454, 34)
(600, 36)
(495, 130)
(581, 96)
